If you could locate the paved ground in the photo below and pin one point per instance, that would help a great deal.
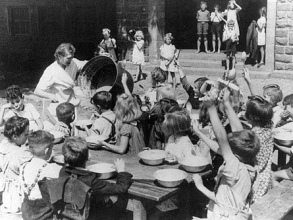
(85, 111)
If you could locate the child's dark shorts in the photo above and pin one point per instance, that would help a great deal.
(202, 28)
(216, 29)
(289, 172)
(231, 48)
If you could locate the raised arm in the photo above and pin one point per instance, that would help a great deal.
(247, 79)
(233, 119)
(220, 133)
(124, 83)
(213, 145)
(238, 8)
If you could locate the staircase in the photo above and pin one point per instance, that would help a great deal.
(206, 64)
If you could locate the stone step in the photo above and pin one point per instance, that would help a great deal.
(192, 54)
(201, 71)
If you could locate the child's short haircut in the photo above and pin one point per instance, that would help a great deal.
(39, 141)
(245, 144)
(168, 35)
(259, 110)
(231, 23)
(288, 100)
(102, 99)
(64, 112)
(177, 122)
(75, 151)
(158, 76)
(166, 92)
(139, 33)
(203, 3)
(274, 92)
(13, 92)
(217, 6)
(15, 126)
(199, 82)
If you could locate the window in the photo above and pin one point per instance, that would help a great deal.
(19, 20)
(50, 21)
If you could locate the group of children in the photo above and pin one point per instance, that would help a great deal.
(241, 134)
(230, 33)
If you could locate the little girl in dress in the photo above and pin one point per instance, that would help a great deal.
(231, 12)
(138, 53)
(177, 126)
(168, 56)
(261, 37)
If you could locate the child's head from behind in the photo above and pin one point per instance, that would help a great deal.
(65, 112)
(41, 144)
(102, 101)
(158, 76)
(259, 112)
(15, 97)
(288, 103)
(75, 152)
(166, 92)
(263, 12)
(127, 108)
(168, 38)
(203, 6)
(245, 144)
(197, 84)
(177, 123)
(139, 35)
(273, 94)
(16, 129)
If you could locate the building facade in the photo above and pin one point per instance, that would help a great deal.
(32, 29)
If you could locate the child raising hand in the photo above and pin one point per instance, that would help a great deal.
(233, 192)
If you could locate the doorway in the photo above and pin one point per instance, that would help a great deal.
(180, 18)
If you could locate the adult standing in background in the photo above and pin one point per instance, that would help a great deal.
(109, 43)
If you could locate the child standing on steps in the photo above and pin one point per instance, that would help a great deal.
(168, 56)
(261, 36)
(231, 12)
(203, 18)
(216, 29)
(231, 38)
(138, 53)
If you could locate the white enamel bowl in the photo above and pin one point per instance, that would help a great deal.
(152, 157)
(170, 177)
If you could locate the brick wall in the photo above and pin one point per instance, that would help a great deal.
(284, 35)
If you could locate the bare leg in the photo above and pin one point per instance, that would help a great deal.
(219, 44)
(173, 79)
(262, 55)
(233, 62)
(205, 44)
(198, 44)
(214, 43)
(227, 63)
(138, 73)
